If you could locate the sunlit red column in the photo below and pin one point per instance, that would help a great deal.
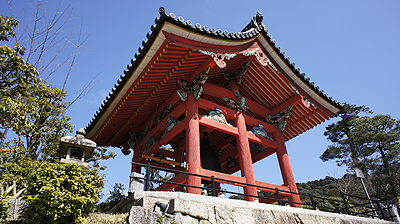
(286, 168)
(135, 158)
(243, 146)
(245, 161)
(193, 145)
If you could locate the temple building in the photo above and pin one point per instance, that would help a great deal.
(217, 101)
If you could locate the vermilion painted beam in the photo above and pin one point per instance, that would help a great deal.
(180, 178)
(273, 186)
(225, 176)
(208, 62)
(220, 92)
(178, 111)
(292, 101)
(218, 125)
(173, 132)
(208, 105)
(261, 140)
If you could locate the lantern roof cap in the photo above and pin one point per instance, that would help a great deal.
(79, 142)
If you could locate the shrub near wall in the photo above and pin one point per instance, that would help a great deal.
(61, 193)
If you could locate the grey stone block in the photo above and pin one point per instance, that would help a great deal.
(135, 183)
(185, 219)
(283, 217)
(262, 216)
(140, 215)
(223, 214)
(189, 207)
(242, 215)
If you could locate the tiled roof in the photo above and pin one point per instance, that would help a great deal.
(254, 28)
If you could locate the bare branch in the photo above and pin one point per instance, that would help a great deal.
(85, 90)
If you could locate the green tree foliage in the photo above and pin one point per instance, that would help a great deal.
(327, 196)
(368, 143)
(379, 140)
(344, 148)
(33, 113)
(33, 118)
(61, 193)
(116, 196)
(7, 25)
(327, 187)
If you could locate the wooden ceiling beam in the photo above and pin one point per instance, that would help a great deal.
(220, 92)
(292, 101)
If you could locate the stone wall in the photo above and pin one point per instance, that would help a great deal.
(198, 209)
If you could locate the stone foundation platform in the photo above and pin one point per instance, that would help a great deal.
(183, 208)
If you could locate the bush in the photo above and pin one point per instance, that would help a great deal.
(61, 193)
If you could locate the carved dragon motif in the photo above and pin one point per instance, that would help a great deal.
(238, 104)
(195, 87)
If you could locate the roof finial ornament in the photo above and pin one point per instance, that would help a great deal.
(161, 10)
(255, 23)
(258, 20)
(259, 16)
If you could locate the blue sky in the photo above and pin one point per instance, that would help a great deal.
(348, 48)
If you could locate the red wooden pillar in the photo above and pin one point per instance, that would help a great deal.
(245, 161)
(135, 158)
(286, 168)
(193, 145)
(243, 146)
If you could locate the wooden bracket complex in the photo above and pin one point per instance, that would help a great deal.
(195, 86)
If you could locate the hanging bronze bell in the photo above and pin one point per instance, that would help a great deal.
(209, 155)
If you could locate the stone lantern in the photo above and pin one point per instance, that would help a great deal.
(76, 148)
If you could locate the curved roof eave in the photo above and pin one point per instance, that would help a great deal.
(177, 26)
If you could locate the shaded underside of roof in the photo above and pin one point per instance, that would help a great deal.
(151, 79)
